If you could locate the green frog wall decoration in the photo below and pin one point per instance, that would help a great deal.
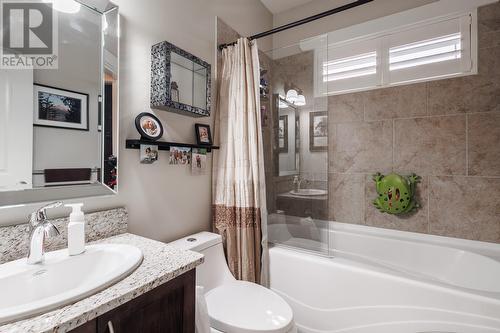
(396, 194)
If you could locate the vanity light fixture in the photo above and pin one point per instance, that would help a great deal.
(291, 96)
(301, 100)
(295, 98)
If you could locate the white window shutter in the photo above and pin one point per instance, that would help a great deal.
(430, 50)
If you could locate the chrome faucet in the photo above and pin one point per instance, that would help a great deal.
(298, 181)
(39, 229)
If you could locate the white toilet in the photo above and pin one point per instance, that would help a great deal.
(235, 306)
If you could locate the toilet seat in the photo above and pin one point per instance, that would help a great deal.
(244, 307)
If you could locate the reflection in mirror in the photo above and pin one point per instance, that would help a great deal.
(58, 126)
(189, 81)
(288, 137)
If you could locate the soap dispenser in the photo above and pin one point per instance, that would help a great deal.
(76, 230)
(296, 184)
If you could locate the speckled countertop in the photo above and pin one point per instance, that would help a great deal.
(161, 263)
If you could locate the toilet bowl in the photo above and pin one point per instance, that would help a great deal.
(235, 306)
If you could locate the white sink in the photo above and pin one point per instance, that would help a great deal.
(308, 192)
(27, 290)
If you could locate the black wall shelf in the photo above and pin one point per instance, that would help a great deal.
(162, 145)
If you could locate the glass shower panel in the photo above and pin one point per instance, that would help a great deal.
(295, 124)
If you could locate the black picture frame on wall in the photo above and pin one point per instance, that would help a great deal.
(318, 131)
(203, 134)
(60, 108)
(149, 126)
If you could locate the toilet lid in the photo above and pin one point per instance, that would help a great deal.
(244, 307)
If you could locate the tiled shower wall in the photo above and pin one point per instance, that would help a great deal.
(446, 131)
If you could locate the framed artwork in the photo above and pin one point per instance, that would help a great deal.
(203, 135)
(60, 108)
(149, 126)
(318, 131)
(283, 134)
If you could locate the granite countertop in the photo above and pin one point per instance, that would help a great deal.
(161, 263)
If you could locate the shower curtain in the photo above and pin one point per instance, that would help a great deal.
(239, 210)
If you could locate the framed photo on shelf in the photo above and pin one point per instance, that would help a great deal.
(149, 126)
(318, 131)
(60, 108)
(203, 134)
(283, 134)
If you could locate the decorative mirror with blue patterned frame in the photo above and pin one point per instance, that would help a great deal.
(180, 82)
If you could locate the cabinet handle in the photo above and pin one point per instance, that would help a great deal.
(110, 327)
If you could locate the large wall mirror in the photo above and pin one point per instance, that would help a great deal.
(59, 126)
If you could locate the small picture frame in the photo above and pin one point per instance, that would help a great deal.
(318, 131)
(60, 108)
(149, 154)
(149, 126)
(203, 134)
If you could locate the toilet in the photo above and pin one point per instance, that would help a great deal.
(235, 306)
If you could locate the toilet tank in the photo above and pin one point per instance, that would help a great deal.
(214, 270)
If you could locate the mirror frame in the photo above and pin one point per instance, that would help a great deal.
(15, 198)
(161, 75)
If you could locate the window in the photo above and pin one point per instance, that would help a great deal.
(347, 68)
(350, 67)
(422, 52)
(426, 52)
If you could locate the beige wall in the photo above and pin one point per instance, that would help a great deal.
(164, 202)
(446, 131)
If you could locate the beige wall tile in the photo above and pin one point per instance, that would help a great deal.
(484, 144)
(488, 18)
(362, 147)
(346, 197)
(345, 108)
(396, 102)
(465, 207)
(489, 39)
(489, 62)
(430, 146)
(416, 221)
(474, 93)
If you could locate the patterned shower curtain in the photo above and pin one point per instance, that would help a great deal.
(239, 210)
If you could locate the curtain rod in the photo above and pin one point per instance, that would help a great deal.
(302, 21)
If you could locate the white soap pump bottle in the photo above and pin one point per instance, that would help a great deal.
(76, 230)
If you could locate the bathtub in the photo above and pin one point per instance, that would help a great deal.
(357, 279)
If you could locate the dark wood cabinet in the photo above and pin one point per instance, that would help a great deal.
(168, 308)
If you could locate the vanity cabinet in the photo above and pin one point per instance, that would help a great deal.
(168, 308)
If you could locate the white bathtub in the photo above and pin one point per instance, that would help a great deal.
(385, 281)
